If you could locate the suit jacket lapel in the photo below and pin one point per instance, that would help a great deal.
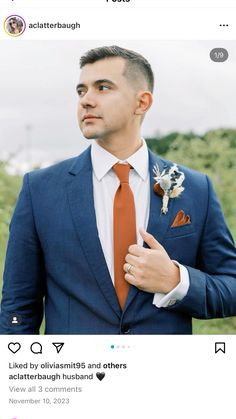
(80, 195)
(157, 222)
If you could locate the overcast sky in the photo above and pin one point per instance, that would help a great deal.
(38, 100)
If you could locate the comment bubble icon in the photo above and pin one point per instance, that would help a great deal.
(36, 348)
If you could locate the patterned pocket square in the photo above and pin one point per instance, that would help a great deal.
(181, 219)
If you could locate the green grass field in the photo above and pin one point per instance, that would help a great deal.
(226, 326)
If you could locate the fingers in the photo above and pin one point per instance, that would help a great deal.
(136, 250)
(149, 239)
(130, 270)
(133, 260)
(131, 279)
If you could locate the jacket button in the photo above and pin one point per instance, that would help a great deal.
(125, 329)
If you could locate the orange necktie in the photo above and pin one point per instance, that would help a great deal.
(124, 229)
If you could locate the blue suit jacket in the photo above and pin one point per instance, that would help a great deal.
(54, 252)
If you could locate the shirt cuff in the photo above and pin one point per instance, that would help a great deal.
(178, 293)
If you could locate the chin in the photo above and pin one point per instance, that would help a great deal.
(89, 134)
(88, 137)
(92, 134)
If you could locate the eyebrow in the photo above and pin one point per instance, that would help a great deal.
(97, 82)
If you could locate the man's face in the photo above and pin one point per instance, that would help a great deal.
(107, 101)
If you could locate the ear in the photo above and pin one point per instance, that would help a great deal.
(144, 102)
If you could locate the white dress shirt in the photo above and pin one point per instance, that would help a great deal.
(105, 184)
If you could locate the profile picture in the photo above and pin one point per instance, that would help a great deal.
(14, 25)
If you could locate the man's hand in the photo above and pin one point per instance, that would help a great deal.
(151, 269)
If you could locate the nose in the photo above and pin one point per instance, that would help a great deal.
(88, 100)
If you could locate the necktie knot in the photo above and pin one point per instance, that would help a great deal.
(122, 172)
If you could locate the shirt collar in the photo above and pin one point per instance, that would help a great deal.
(102, 160)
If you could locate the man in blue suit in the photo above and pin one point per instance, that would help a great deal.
(60, 256)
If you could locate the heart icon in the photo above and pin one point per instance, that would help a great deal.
(100, 375)
(14, 347)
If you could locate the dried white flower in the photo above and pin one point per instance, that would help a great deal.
(168, 184)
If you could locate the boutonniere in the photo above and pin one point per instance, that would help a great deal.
(168, 184)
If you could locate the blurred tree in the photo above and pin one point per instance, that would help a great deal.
(213, 154)
(9, 189)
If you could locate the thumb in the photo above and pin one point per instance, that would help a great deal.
(149, 239)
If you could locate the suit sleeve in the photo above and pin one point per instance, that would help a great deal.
(212, 289)
(24, 276)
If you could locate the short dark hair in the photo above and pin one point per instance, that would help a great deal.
(136, 64)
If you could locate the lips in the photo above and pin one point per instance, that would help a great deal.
(90, 117)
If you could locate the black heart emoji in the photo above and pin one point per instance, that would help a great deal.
(100, 375)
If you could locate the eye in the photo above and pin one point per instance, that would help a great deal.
(103, 87)
(81, 92)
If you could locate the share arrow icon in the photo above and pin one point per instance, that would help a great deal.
(58, 346)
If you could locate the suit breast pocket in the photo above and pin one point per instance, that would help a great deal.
(182, 244)
(180, 231)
